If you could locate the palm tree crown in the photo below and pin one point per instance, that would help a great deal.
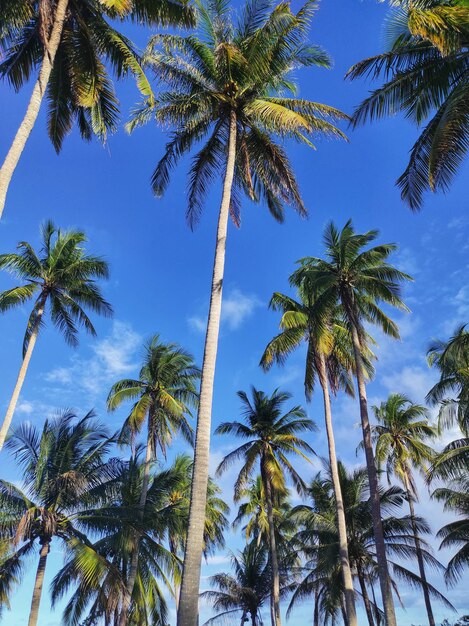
(238, 70)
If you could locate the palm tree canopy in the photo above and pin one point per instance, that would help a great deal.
(357, 275)
(272, 435)
(60, 275)
(242, 66)
(425, 75)
(80, 88)
(165, 392)
(400, 438)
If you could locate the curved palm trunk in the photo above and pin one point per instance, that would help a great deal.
(189, 596)
(275, 598)
(384, 579)
(366, 597)
(129, 588)
(27, 124)
(20, 380)
(342, 528)
(38, 584)
(418, 549)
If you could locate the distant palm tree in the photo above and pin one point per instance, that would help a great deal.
(271, 436)
(163, 395)
(245, 592)
(65, 472)
(97, 574)
(60, 276)
(400, 437)
(426, 77)
(228, 86)
(70, 43)
(359, 278)
(329, 359)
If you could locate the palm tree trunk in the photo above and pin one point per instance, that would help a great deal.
(275, 597)
(38, 584)
(418, 549)
(365, 596)
(27, 124)
(384, 579)
(177, 585)
(189, 597)
(316, 608)
(129, 588)
(344, 612)
(342, 528)
(20, 380)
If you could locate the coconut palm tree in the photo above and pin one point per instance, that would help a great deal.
(72, 45)
(65, 471)
(451, 393)
(271, 436)
(329, 359)
(426, 77)
(359, 278)
(228, 87)
(163, 394)
(400, 437)
(317, 533)
(245, 592)
(60, 277)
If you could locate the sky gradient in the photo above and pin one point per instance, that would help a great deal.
(160, 270)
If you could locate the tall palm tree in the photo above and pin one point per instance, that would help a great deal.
(271, 437)
(451, 393)
(246, 591)
(329, 359)
(65, 471)
(163, 394)
(426, 77)
(400, 437)
(359, 278)
(97, 573)
(72, 45)
(61, 277)
(228, 86)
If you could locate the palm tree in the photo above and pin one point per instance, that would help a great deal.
(328, 359)
(70, 44)
(163, 394)
(359, 278)
(60, 276)
(98, 573)
(426, 77)
(271, 437)
(246, 591)
(319, 537)
(227, 85)
(452, 361)
(65, 472)
(400, 445)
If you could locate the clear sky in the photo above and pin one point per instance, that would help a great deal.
(161, 270)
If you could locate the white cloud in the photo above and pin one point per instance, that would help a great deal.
(461, 300)
(25, 407)
(237, 307)
(198, 323)
(415, 381)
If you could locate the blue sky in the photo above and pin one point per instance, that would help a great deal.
(160, 270)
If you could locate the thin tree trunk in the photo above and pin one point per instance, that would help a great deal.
(344, 612)
(38, 584)
(341, 525)
(129, 588)
(276, 619)
(177, 585)
(316, 608)
(418, 549)
(385, 583)
(20, 380)
(366, 598)
(375, 604)
(27, 124)
(189, 596)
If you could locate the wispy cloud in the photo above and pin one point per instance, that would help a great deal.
(237, 307)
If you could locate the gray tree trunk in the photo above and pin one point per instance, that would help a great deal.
(341, 525)
(366, 598)
(276, 619)
(32, 111)
(20, 380)
(38, 584)
(384, 579)
(189, 596)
